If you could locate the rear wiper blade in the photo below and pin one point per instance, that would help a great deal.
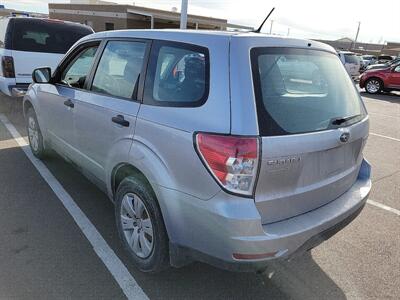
(341, 120)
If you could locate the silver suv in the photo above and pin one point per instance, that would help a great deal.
(232, 149)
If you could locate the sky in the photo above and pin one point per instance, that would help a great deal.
(325, 19)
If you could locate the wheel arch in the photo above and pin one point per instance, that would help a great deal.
(123, 170)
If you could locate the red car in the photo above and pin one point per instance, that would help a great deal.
(375, 81)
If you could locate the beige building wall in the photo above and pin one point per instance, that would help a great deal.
(105, 17)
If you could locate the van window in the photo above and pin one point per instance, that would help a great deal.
(302, 90)
(76, 72)
(119, 68)
(351, 59)
(46, 35)
(178, 75)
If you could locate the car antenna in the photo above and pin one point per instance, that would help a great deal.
(262, 24)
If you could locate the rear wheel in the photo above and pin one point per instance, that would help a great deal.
(34, 134)
(373, 86)
(140, 225)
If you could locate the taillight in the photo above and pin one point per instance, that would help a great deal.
(7, 63)
(232, 160)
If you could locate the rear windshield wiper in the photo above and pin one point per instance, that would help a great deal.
(341, 120)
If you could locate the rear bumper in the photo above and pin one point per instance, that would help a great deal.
(217, 230)
(8, 84)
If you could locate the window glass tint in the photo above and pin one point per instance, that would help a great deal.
(351, 59)
(301, 90)
(178, 75)
(119, 68)
(75, 74)
(37, 35)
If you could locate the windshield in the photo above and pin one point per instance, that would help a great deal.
(301, 90)
(39, 35)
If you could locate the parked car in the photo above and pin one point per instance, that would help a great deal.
(210, 147)
(367, 60)
(384, 59)
(351, 62)
(384, 65)
(376, 81)
(29, 43)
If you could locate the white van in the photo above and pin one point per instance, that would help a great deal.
(351, 62)
(29, 43)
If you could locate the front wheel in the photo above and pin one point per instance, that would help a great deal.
(373, 86)
(140, 225)
(34, 134)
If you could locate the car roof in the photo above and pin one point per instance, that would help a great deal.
(191, 35)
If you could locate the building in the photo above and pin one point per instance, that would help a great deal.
(102, 16)
(389, 48)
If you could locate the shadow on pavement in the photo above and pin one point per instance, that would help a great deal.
(388, 97)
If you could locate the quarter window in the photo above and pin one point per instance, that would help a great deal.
(76, 73)
(119, 69)
(178, 75)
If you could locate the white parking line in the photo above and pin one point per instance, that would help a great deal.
(117, 269)
(383, 206)
(385, 136)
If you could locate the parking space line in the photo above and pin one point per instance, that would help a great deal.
(385, 136)
(383, 206)
(125, 280)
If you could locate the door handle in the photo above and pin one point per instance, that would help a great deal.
(69, 103)
(120, 120)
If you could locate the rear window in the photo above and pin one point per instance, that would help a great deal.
(50, 36)
(351, 59)
(301, 90)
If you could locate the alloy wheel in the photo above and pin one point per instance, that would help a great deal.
(373, 86)
(33, 134)
(136, 225)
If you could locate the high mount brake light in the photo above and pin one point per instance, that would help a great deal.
(232, 160)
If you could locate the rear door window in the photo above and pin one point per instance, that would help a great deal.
(178, 75)
(119, 69)
(302, 90)
(46, 35)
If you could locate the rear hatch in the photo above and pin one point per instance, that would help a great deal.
(41, 42)
(313, 127)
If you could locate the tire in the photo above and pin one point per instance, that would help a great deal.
(134, 195)
(373, 86)
(34, 134)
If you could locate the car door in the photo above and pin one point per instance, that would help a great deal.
(394, 78)
(57, 99)
(106, 113)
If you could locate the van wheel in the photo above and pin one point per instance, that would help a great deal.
(141, 226)
(34, 134)
(373, 86)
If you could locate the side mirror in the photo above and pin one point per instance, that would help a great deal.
(41, 75)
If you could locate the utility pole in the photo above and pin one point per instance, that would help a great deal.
(270, 29)
(358, 31)
(184, 8)
(288, 31)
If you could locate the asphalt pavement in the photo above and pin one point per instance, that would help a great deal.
(45, 255)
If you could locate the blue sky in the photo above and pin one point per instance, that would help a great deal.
(305, 18)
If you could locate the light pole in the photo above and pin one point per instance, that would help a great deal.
(358, 31)
(270, 29)
(184, 8)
